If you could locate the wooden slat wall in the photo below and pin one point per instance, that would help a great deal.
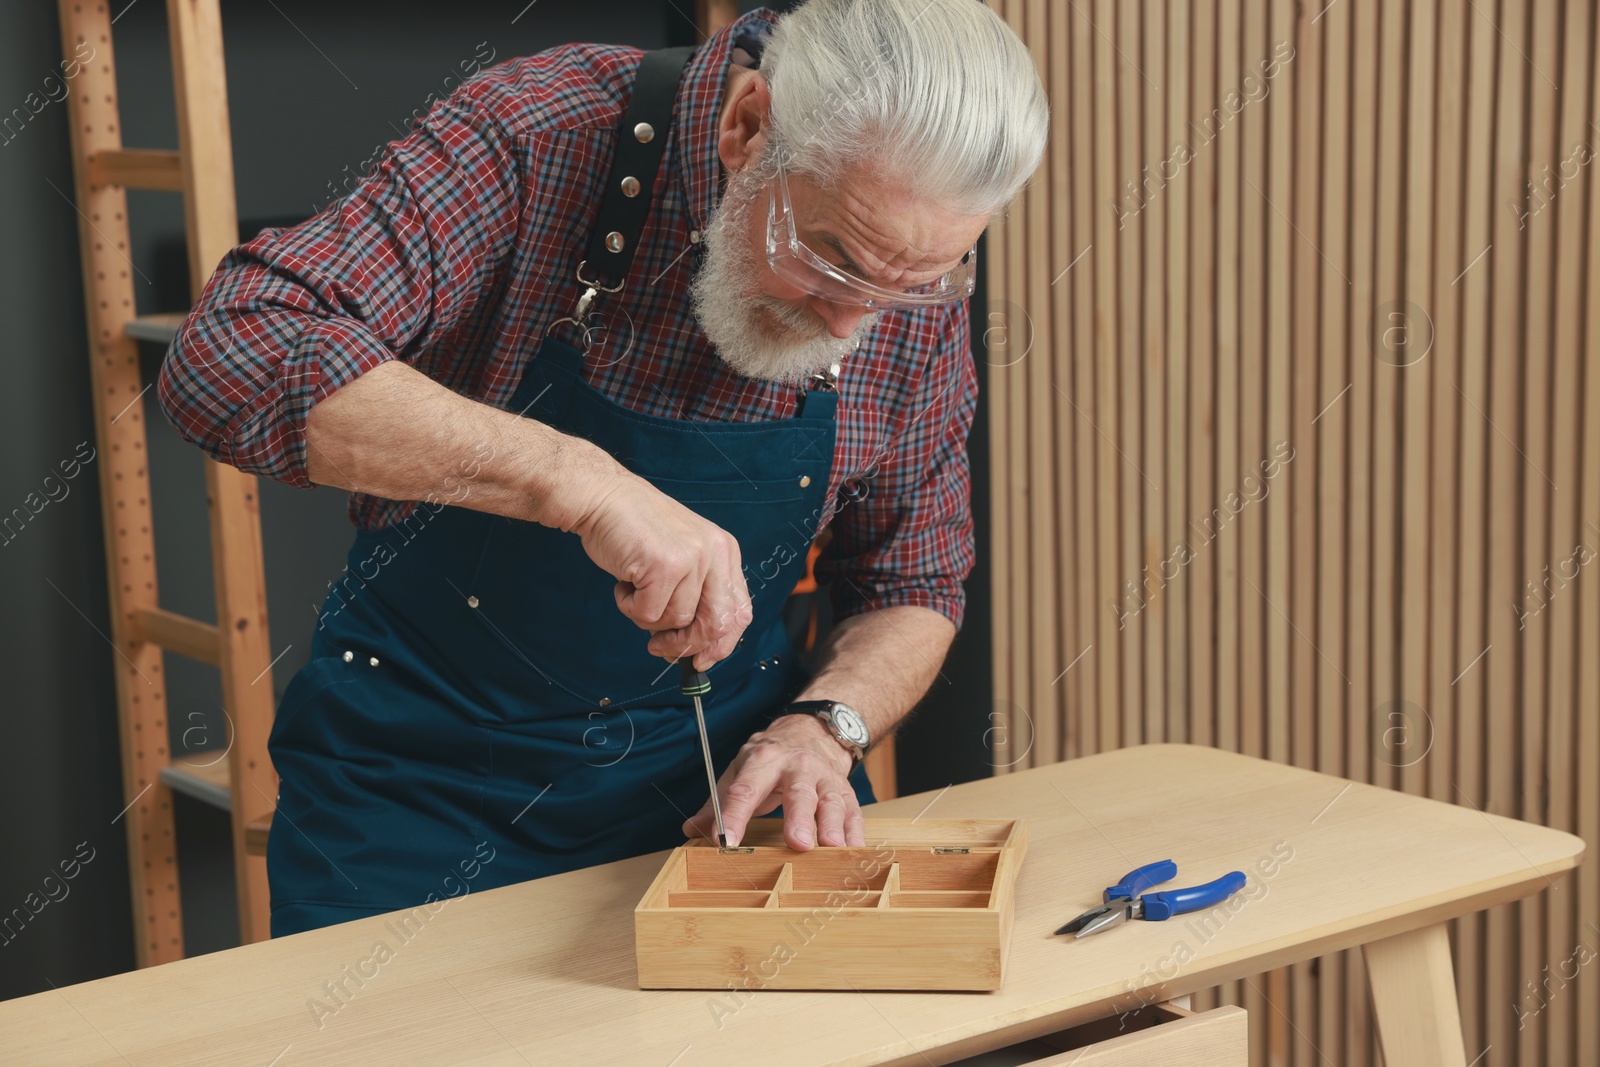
(1345, 260)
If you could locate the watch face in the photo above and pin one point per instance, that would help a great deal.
(849, 724)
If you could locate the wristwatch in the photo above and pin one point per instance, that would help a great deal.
(843, 722)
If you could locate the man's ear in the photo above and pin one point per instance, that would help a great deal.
(740, 127)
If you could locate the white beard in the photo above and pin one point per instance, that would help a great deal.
(728, 301)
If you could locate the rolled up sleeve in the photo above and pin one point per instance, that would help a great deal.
(296, 313)
(909, 542)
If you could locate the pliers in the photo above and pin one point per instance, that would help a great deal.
(1128, 900)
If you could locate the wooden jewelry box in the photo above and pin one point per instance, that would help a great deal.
(927, 904)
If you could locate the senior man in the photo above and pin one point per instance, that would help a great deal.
(598, 350)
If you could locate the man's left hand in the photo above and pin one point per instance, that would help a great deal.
(795, 763)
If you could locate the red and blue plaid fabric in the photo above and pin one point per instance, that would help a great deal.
(457, 254)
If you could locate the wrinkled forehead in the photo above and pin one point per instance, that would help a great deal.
(880, 229)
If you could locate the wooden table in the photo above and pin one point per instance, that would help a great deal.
(543, 972)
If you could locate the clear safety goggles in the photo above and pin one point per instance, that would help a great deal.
(801, 267)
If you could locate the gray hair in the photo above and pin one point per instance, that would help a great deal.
(940, 93)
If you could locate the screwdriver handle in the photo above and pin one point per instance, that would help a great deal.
(692, 683)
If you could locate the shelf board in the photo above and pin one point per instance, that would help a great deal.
(202, 775)
(157, 329)
(205, 776)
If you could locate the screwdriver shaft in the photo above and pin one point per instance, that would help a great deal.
(694, 684)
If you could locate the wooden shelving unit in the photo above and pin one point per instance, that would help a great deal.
(241, 780)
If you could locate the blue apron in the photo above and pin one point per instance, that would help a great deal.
(477, 712)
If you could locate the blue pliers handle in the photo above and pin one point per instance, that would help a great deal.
(1130, 899)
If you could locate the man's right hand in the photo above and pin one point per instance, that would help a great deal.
(396, 433)
(679, 577)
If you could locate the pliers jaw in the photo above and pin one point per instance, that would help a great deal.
(1113, 912)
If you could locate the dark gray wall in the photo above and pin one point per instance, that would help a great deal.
(314, 89)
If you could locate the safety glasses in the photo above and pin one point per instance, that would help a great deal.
(801, 267)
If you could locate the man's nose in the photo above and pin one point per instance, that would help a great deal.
(841, 319)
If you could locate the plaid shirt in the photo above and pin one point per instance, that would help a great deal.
(457, 253)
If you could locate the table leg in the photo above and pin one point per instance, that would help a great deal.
(1414, 999)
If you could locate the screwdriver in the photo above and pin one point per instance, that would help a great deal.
(694, 684)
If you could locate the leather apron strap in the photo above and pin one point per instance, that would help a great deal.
(630, 187)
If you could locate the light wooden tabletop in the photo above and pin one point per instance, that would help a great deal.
(543, 972)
